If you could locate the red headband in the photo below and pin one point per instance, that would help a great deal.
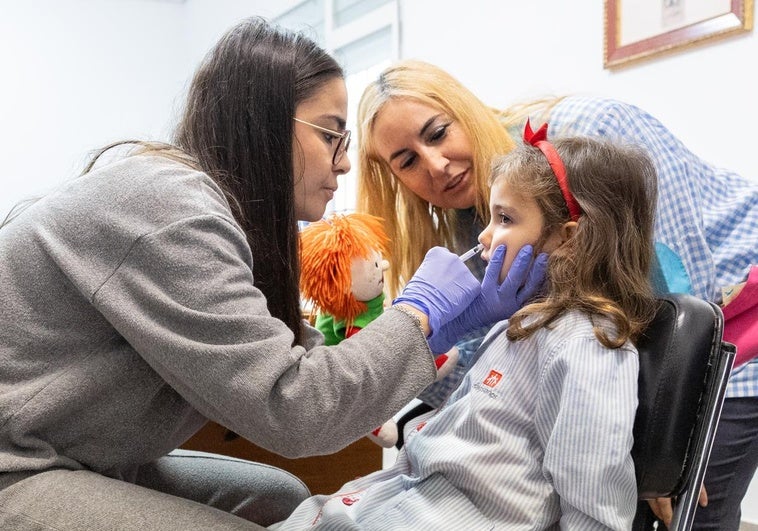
(539, 140)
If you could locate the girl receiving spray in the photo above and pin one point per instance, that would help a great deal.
(539, 434)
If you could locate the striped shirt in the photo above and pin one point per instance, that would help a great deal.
(538, 436)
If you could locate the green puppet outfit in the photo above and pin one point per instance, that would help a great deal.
(336, 331)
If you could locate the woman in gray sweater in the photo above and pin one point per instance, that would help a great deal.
(160, 290)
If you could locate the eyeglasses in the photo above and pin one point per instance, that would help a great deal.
(342, 144)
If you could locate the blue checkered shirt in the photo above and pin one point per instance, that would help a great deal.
(707, 216)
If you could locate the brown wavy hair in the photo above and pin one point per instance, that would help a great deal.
(603, 268)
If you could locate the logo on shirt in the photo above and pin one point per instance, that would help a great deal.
(351, 499)
(493, 378)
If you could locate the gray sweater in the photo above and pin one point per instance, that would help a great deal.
(129, 318)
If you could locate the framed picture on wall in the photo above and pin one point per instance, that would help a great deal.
(639, 29)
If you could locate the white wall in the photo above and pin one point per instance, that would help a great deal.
(706, 95)
(77, 74)
(208, 19)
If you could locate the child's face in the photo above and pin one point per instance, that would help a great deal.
(515, 221)
(367, 276)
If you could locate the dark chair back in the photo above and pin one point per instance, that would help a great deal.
(684, 369)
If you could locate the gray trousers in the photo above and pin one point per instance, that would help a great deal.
(731, 467)
(184, 491)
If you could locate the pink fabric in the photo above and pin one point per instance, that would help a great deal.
(741, 320)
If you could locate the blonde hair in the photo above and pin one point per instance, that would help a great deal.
(412, 223)
(538, 110)
(602, 269)
(327, 249)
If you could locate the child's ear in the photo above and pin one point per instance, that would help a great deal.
(568, 230)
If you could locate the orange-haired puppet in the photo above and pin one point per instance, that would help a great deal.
(342, 274)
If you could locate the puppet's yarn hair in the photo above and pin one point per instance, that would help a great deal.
(327, 249)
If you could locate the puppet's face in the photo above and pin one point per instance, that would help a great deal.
(368, 276)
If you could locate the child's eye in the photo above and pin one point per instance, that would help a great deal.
(504, 219)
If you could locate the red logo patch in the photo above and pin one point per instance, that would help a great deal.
(349, 500)
(492, 379)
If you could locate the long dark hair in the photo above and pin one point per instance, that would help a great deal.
(238, 124)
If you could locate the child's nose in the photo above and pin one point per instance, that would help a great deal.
(484, 239)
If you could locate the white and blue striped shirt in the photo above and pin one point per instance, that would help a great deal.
(538, 436)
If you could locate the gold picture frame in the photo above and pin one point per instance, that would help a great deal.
(639, 29)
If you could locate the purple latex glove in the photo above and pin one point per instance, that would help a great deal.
(496, 301)
(442, 287)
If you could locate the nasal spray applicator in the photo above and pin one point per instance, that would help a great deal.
(468, 255)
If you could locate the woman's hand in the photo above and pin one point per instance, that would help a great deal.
(495, 301)
(499, 301)
(441, 288)
(663, 508)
